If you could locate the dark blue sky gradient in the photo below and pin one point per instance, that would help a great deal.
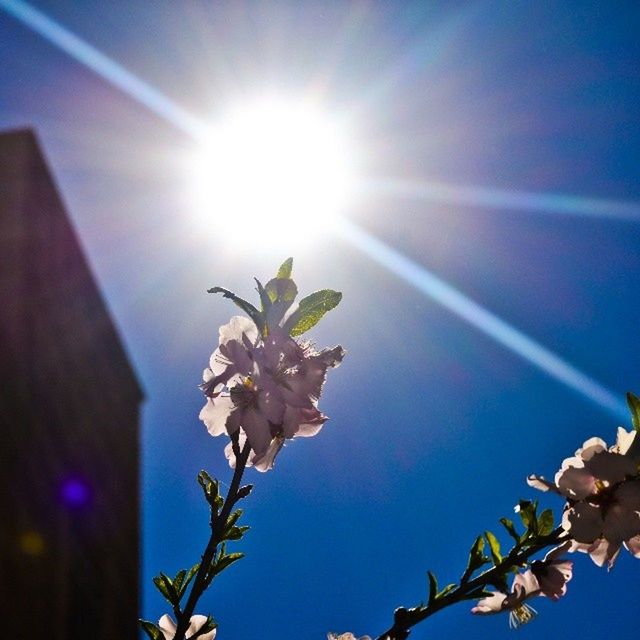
(433, 426)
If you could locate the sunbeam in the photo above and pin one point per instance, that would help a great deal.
(474, 196)
(479, 317)
(104, 66)
(413, 273)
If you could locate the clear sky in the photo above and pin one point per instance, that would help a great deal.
(499, 142)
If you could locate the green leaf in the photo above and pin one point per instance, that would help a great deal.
(189, 577)
(177, 581)
(511, 530)
(281, 290)
(634, 405)
(494, 546)
(285, 269)
(527, 512)
(476, 558)
(265, 301)
(223, 562)
(247, 307)
(545, 522)
(235, 533)
(165, 586)
(151, 630)
(234, 517)
(310, 311)
(183, 578)
(433, 587)
(211, 489)
(243, 492)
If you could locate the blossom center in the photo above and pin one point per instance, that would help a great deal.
(522, 614)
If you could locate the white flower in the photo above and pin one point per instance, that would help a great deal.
(602, 489)
(169, 628)
(345, 636)
(264, 389)
(524, 586)
(553, 573)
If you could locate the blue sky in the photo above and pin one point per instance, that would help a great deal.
(434, 425)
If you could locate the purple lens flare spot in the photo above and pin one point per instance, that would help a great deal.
(75, 492)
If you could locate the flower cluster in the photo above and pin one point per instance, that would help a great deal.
(262, 385)
(264, 389)
(345, 636)
(547, 577)
(602, 489)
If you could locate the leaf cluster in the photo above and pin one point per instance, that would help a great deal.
(226, 529)
(276, 300)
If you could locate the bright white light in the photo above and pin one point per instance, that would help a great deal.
(273, 169)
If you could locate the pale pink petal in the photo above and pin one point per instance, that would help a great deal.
(602, 551)
(490, 604)
(585, 522)
(628, 495)
(237, 326)
(302, 422)
(577, 483)
(633, 544)
(271, 406)
(620, 524)
(591, 447)
(624, 441)
(195, 624)
(266, 460)
(167, 626)
(525, 584)
(610, 467)
(215, 414)
(538, 482)
(257, 429)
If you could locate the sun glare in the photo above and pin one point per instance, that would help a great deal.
(276, 169)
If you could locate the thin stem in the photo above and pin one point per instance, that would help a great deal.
(217, 528)
(406, 619)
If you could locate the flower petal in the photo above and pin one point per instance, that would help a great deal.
(583, 521)
(490, 604)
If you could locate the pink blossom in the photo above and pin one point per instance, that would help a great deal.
(553, 573)
(169, 628)
(525, 585)
(345, 636)
(264, 388)
(602, 489)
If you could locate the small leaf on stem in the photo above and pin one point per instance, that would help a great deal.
(151, 630)
(634, 405)
(433, 587)
(494, 546)
(511, 530)
(285, 269)
(311, 310)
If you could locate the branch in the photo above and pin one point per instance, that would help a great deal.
(405, 619)
(218, 523)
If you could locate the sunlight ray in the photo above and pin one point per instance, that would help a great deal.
(104, 66)
(475, 196)
(479, 317)
(397, 263)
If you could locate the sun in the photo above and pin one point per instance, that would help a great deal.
(275, 169)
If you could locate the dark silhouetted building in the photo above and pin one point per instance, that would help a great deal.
(69, 412)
